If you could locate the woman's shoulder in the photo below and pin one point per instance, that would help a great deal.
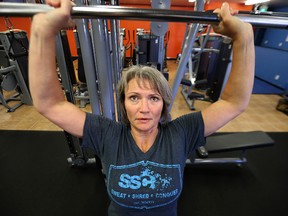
(193, 116)
(102, 121)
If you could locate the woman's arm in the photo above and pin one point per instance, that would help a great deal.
(236, 95)
(48, 96)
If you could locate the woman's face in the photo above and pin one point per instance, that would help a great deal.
(143, 106)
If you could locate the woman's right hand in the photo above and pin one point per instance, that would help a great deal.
(52, 22)
(230, 25)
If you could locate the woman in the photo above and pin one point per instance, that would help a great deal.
(143, 157)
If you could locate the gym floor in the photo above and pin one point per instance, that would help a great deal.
(260, 115)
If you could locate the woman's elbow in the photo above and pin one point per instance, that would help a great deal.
(43, 110)
(241, 108)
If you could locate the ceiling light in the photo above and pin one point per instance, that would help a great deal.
(252, 2)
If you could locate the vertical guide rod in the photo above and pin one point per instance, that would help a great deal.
(101, 49)
(116, 58)
(88, 63)
(187, 49)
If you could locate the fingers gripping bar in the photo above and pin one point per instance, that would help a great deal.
(130, 13)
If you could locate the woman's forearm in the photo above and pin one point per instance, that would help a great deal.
(43, 79)
(240, 83)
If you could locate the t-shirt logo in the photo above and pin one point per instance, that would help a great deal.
(144, 185)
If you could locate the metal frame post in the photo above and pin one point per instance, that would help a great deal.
(116, 58)
(102, 54)
(187, 49)
(88, 62)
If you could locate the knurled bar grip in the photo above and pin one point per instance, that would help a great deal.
(130, 13)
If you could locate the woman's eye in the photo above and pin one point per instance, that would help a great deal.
(155, 99)
(133, 98)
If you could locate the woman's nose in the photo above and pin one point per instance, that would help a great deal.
(144, 105)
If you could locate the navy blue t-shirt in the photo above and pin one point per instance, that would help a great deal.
(143, 183)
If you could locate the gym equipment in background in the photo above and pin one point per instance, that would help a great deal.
(101, 97)
(14, 68)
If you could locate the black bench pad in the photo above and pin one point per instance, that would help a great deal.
(238, 141)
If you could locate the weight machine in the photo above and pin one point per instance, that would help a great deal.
(149, 50)
(14, 68)
(146, 49)
(208, 69)
(151, 45)
(101, 78)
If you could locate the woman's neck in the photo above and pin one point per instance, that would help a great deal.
(144, 139)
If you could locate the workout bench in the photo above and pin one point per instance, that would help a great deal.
(241, 141)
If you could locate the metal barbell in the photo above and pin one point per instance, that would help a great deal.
(130, 13)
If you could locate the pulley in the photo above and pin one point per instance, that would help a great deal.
(159, 28)
(161, 4)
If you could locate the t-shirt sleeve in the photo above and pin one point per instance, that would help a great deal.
(96, 130)
(191, 127)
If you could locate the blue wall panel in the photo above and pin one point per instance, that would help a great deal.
(276, 38)
(272, 66)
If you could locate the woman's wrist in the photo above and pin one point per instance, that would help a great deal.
(42, 28)
(245, 35)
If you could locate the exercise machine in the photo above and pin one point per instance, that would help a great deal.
(147, 49)
(209, 68)
(100, 96)
(14, 68)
